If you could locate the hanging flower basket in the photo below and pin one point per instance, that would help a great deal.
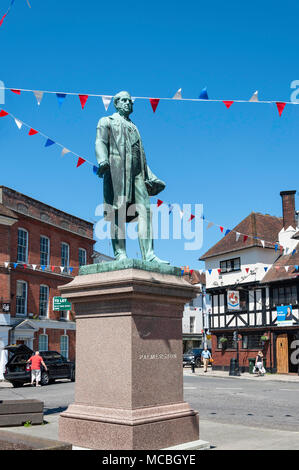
(223, 340)
(264, 338)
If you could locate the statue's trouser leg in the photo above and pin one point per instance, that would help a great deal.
(145, 233)
(117, 230)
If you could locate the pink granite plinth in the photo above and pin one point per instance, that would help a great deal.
(129, 376)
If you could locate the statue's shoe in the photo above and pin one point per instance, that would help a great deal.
(121, 258)
(155, 259)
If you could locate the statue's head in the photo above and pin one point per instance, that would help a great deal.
(123, 103)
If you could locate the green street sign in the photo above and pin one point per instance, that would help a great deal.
(60, 303)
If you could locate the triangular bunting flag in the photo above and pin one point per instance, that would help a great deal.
(95, 169)
(287, 268)
(64, 151)
(60, 97)
(266, 269)
(203, 94)
(159, 202)
(43, 267)
(17, 92)
(276, 247)
(280, 107)
(39, 96)
(15, 265)
(210, 225)
(71, 269)
(191, 217)
(237, 236)
(154, 102)
(18, 123)
(247, 269)
(228, 103)
(210, 271)
(32, 132)
(245, 238)
(219, 270)
(254, 97)
(191, 271)
(34, 266)
(3, 113)
(80, 161)
(6, 264)
(227, 232)
(106, 101)
(221, 229)
(293, 252)
(277, 268)
(61, 268)
(83, 99)
(178, 95)
(52, 268)
(49, 142)
(263, 243)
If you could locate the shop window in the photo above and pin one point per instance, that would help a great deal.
(229, 344)
(251, 341)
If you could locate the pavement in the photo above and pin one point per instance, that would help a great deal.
(244, 376)
(222, 436)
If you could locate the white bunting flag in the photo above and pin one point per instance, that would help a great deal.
(254, 96)
(286, 249)
(210, 225)
(178, 95)
(106, 101)
(237, 236)
(34, 266)
(263, 243)
(39, 96)
(61, 268)
(64, 151)
(6, 264)
(287, 268)
(18, 123)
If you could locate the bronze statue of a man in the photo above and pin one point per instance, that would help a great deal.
(128, 181)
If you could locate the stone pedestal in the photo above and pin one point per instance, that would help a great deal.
(129, 374)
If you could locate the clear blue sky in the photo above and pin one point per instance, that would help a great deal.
(233, 161)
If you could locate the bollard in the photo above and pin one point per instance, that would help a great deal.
(193, 367)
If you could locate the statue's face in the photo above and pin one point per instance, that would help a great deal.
(124, 104)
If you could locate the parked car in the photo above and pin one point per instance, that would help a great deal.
(18, 371)
(193, 355)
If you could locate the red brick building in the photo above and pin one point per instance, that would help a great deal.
(41, 248)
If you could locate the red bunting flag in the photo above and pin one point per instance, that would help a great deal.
(17, 92)
(159, 202)
(228, 103)
(80, 161)
(154, 102)
(191, 271)
(245, 238)
(221, 229)
(280, 107)
(32, 132)
(247, 269)
(219, 270)
(25, 266)
(83, 99)
(191, 217)
(52, 268)
(2, 19)
(3, 113)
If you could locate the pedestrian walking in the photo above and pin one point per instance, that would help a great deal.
(205, 356)
(36, 362)
(259, 367)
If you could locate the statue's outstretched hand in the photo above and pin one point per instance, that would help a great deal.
(103, 168)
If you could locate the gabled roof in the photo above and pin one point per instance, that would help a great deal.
(195, 277)
(262, 226)
(280, 274)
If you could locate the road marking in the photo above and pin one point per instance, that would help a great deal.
(287, 390)
(189, 388)
(228, 388)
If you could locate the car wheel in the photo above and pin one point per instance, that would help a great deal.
(17, 384)
(197, 362)
(45, 379)
(72, 376)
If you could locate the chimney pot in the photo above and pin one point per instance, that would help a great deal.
(288, 209)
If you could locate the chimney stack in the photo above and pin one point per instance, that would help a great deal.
(288, 209)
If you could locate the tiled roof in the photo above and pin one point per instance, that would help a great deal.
(262, 226)
(280, 274)
(4, 211)
(195, 277)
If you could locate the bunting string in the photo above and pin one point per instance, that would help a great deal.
(19, 123)
(203, 97)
